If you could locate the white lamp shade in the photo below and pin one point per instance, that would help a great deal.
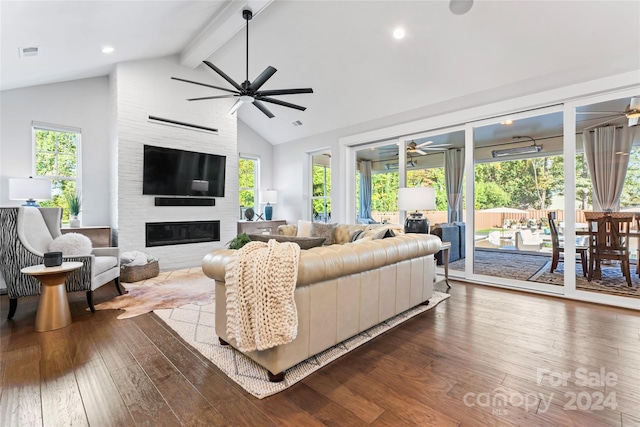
(269, 196)
(29, 188)
(417, 199)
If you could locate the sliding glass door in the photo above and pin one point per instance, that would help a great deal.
(518, 185)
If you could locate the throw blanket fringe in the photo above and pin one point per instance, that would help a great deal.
(260, 283)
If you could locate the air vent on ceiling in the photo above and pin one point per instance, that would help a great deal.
(27, 51)
(297, 123)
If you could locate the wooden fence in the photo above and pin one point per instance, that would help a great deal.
(483, 220)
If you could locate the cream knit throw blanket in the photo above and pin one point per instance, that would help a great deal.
(260, 282)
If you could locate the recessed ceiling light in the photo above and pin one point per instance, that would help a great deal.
(107, 49)
(398, 33)
(507, 122)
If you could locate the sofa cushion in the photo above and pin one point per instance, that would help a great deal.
(304, 228)
(303, 242)
(288, 230)
(320, 229)
(71, 244)
(104, 263)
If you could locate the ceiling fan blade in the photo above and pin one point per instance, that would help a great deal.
(634, 121)
(212, 97)
(274, 92)
(437, 147)
(422, 144)
(262, 78)
(419, 151)
(263, 108)
(223, 75)
(203, 84)
(283, 103)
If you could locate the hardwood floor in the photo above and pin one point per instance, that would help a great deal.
(453, 365)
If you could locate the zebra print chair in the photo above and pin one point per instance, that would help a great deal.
(25, 235)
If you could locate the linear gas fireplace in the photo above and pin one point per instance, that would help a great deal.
(180, 233)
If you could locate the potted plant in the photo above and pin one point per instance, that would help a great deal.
(239, 241)
(73, 203)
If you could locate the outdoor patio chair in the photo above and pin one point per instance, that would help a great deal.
(609, 240)
(558, 248)
(527, 241)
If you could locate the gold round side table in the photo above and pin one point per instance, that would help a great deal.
(53, 308)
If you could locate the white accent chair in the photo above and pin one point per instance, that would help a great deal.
(25, 235)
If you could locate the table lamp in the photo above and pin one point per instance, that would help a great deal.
(416, 199)
(29, 189)
(268, 197)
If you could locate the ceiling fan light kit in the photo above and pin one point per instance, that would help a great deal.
(632, 112)
(249, 92)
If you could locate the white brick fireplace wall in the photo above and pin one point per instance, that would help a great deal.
(144, 88)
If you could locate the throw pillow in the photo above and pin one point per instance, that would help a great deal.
(71, 244)
(303, 242)
(320, 229)
(355, 235)
(304, 228)
(373, 234)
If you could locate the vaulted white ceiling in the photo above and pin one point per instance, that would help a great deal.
(344, 50)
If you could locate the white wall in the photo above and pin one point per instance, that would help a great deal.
(291, 177)
(251, 144)
(144, 88)
(80, 103)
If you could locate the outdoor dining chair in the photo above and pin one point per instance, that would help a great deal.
(558, 248)
(609, 240)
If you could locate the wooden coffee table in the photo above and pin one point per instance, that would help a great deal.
(53, 308)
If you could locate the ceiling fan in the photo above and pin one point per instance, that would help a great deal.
(249, 92)
(632, 112)
(413, 148)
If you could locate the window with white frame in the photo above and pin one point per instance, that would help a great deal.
(248, 183)
(321, 187)
(57, 157)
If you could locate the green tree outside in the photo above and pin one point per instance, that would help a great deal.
(247, 182)
(56, 159)
(321, 192)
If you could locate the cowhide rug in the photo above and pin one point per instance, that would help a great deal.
(170, 292)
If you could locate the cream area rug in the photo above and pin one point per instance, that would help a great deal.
(167, 290)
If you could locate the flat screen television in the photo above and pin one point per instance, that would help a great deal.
(171, 172)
